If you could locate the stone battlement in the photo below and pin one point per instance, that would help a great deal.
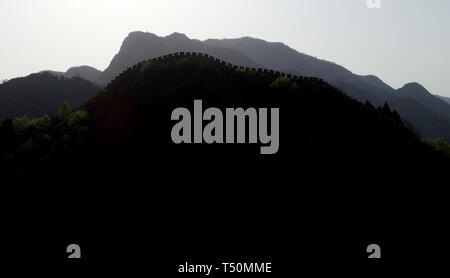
(219, 61)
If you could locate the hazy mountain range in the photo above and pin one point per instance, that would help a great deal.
(429, 115)
(86, 72)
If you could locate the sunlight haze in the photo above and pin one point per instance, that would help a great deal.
(403, 41)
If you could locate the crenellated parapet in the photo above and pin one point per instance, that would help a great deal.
(177, 55)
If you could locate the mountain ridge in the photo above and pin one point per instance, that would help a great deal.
(257, 53)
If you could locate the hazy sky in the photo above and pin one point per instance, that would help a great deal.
(403, 41)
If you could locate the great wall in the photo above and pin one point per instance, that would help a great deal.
(265, 71)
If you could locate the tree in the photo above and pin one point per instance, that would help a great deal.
(440, 144)
(64, 112)
(397, 118)
(281, 82)
(77, 119)
(21, 124)
(369, 105)
(386, 109)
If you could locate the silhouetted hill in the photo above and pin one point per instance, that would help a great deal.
(139, 46)
(358, 93)
(422, 96)
(42, 93)
(319, 124)
(86, 72)
(53, 72)
(125, 130)
(376, 82)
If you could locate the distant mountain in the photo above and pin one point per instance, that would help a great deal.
(446, 99)
(425, 122)
(139, 46)
(251, 52)
(53, 72)
(42, 93)
(86, 72)
(425, 98)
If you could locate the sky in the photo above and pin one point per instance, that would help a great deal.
(402, 41)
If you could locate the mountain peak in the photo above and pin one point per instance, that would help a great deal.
(414, 85)
(86, 72)
(371, 77)
(137, 36)
(413, 88)
(176, 35)
(425, 98)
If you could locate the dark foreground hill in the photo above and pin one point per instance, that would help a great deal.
(319, 124)
(343, 169)
(42, 93)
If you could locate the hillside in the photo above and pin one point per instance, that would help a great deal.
(320, 124)
(42, 93)
(425, 98)
(422, 117)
